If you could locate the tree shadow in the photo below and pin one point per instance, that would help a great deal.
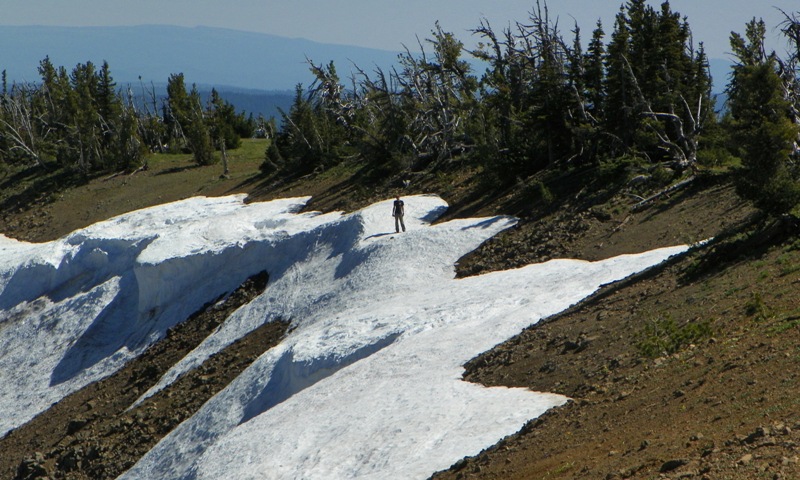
(486, 223)
(42, 186)
(184, 168)
(751, 240)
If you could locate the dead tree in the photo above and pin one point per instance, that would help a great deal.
(682, 143)
(789, 69)
(438, 89)
(26, 129)
(384, 126)
(225, 170)
(150, 123)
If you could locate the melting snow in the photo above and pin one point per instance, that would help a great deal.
(368, 383)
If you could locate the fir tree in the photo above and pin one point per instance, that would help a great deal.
(762, 123)
(594, 72)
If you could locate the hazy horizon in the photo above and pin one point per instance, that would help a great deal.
(392, 25)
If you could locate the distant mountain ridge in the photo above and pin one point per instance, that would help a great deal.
(205, 55)
(256, 72)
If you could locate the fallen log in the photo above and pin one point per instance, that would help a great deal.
(672, 188)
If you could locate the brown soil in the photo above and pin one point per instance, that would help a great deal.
(721, 405)
(725, 406)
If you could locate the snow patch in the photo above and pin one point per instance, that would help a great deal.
(367, 384)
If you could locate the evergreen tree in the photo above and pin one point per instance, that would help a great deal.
(619, 113)
(298, 142)
(273, 159)
(551, 100)
(533, 102)
(330, 106)
(185, 119)
(176, 111)
(84, 141)
(762, 123)
(594, 73)
(51, 106)
(108, 102)
(379, 124)
(125, 150)
(198, 134)
(658, 88)
(502, 143)
(223, 122)
(437, 95)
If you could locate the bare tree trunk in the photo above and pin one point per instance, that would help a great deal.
(22, 129)
(225, 171)
(790, 70)
(684, 147)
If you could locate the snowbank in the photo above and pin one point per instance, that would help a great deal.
(368, 382)
(75, 310)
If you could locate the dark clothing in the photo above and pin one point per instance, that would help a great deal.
(398, 211)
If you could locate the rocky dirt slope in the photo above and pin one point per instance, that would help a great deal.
(653, 398)
(685, 371)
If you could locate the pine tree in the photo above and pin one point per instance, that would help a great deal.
(658, 93)
(125, 148)
(223, 120)
(51, 106)
(176, 111)
(762, 123)
(198, 134)
(619, 86)
(595, 72)
(437, 95)
(85, 138)
(502, 143)
(297, 142)
(109, 106)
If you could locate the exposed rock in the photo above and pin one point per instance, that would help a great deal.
(671, 465)
(76, 425)
(32, 468)
(759, 433)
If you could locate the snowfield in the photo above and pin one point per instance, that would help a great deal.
(367, 384)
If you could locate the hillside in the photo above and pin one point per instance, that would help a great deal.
(720, 404)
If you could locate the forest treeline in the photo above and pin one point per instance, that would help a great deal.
(639, 95)
(81, 120)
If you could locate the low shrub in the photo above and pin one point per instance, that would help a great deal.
(663, 336)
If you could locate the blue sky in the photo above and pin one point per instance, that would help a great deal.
(382, 24)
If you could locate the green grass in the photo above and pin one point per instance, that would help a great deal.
(785, 322)
(60, 201)
(788, 263)
(248, 157)
(757, 308)
(785, 325)
(560, 471)
(663, 336)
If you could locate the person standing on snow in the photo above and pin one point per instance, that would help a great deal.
(398, 210)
